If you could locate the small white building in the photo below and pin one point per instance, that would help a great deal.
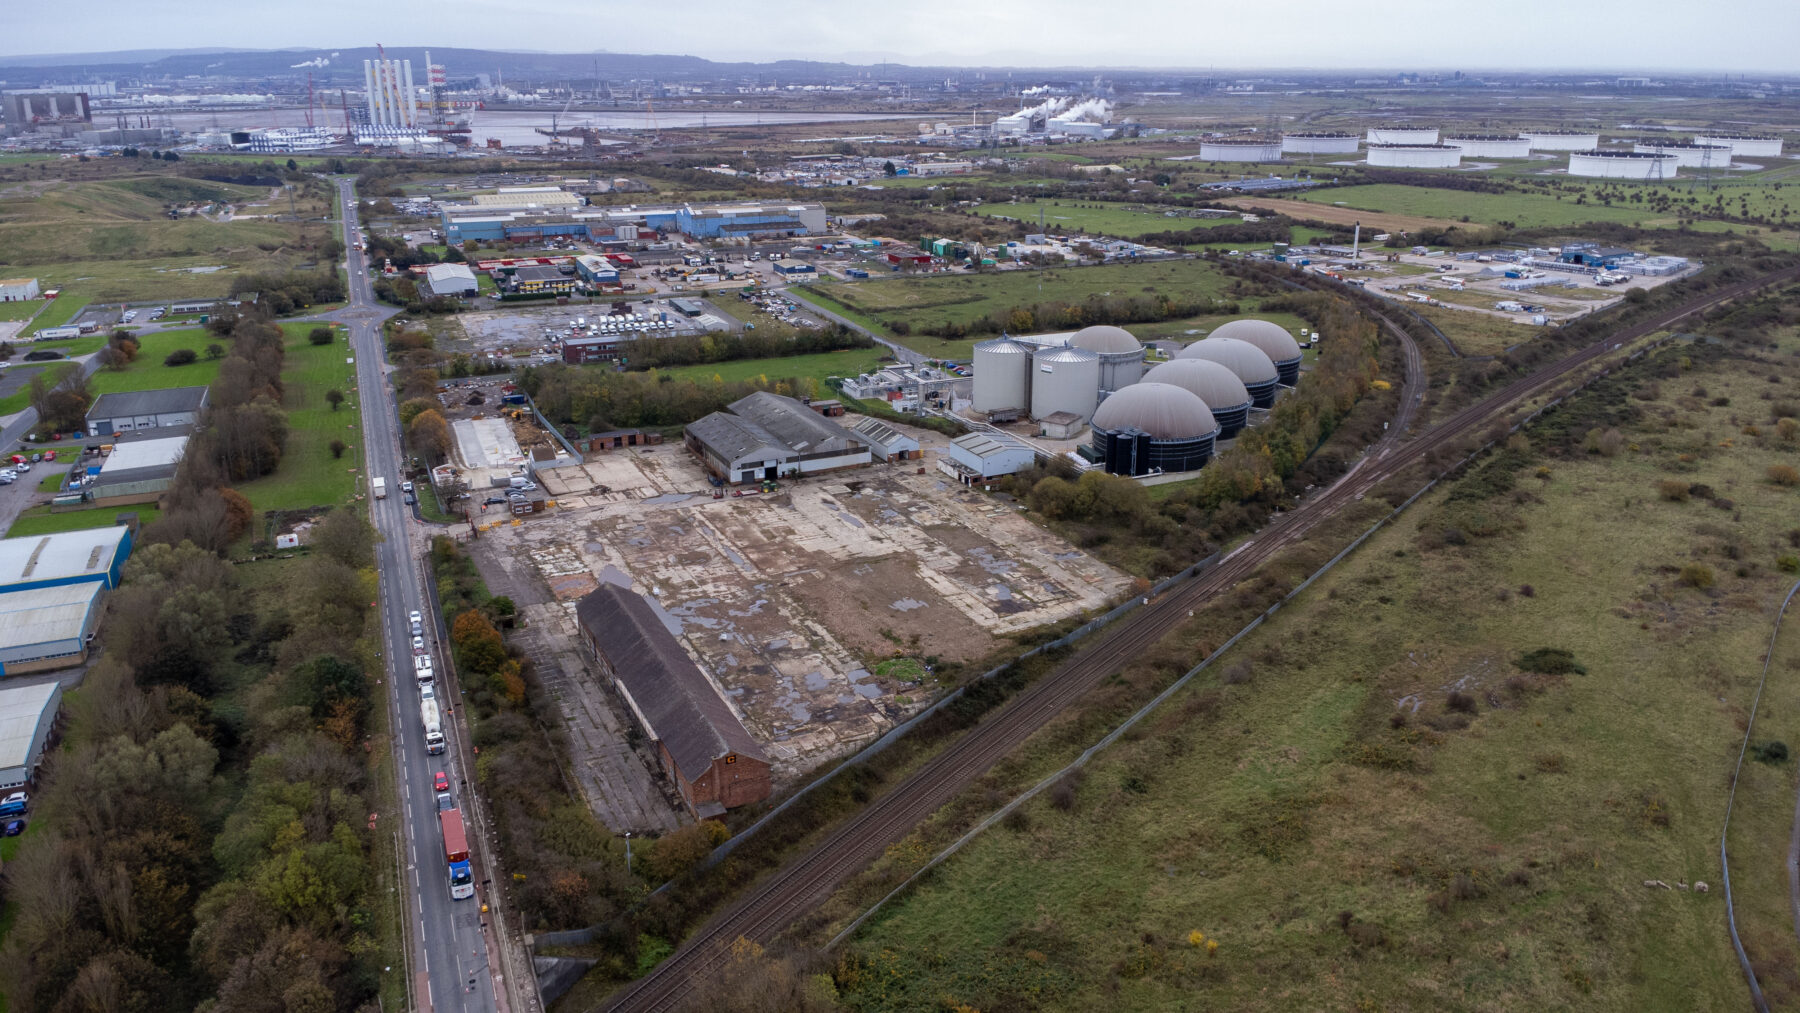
(885, 442)
(454, 280)
(27, 718)
(18, 289)
(986, 455)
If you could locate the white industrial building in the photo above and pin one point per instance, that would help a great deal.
(1622, 165)
(393, 102)
(1320, 144)
(1415, 156)
(137, 471)
(1086, 130)
(89, 555)
(768, 436)
(488, 450)
(46, 628)
(1693, 156)
(454, 280)
(1402, 134)
(1744, 144)
(985, 455)
(1562, 140)
(27, 720)
(886, 443)
(1241, 149)
(1491, 145)
(18, 289)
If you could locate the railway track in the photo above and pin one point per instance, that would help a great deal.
(775, 901)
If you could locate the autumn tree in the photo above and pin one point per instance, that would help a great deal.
(429, 435)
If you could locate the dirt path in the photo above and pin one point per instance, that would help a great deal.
(1373, 221)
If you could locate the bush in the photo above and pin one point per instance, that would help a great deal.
(1788, 564)
(42, 355)
(1460, 702)
(1696, 575)
(319, 336)
(1550, 661)
(181, 357)
(1774, 751)
(1672, 490)
(1784, 474)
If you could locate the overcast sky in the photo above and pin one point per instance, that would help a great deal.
(1642, 35)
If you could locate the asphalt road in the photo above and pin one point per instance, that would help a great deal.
(450, 954)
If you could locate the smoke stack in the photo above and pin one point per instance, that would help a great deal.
(1356, 242)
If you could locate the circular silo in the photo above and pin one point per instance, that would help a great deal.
(1693, 156)
(1272, 338)
(1320, 144)
(1154, 427)
(1415, 156)
(1064, 380)
(1241, 149)
(1761, 146)
(1562, 140)
(1213, 383)
(1121, 355)
(1623, 165)
(1002, 376)
(1403, 134)
(1246, 360)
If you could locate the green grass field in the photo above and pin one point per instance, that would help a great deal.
(19, 309)
(1059, 216)
(309, 476)
(930, 300)
(20, 399)
(1526, 210)
(848, 362)
(147, 372)
(1351, 840)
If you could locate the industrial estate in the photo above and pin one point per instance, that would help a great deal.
(522, 531)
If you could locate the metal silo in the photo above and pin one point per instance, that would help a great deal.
(1121, 355)
(1064, 380)
(1002, 376)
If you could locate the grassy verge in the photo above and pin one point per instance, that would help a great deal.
(1478, 333)
(1375, 804)
(147, 371)
(40, 521)
(309, 475)
(20, 399)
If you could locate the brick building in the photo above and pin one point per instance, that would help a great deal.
(704, 748)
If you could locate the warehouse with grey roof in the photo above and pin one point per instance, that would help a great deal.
(126, 411)
(767, 436)
(48, 627)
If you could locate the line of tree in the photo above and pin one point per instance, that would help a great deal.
(725, 346)
(293, 290)
(1057, 315)
(601, 400)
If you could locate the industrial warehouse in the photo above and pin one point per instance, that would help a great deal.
(768, 437)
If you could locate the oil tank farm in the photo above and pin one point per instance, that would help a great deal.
(1212, 383)
(1490, 145)
(1247, 361)
(1064, 379)
(1622, 165)
(1002, 376)
(1153, 427)
(1415, 156)
(1744, 144)
(1241, 149)
(1121, 355)
(1691, 155)
(1562, 140)
(1403, 133)
(1320, 144)
(1271, 339)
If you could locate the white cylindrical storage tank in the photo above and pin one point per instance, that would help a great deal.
(1320, 144)
(1490, 145)
(1271, 339)
(1121, 355)
(1415, 156)
(1239, 149)
(1214, 383)
(1249, 362)
(1694, 156)
(1064, 380)
(1002, 376)
(1621, 165)
(1562, 140)
(1744, 144)
(1154, 427)
(1403, 134)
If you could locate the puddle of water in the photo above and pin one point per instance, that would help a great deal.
(816, 682)
(777, 644)
(734, 557)
(731, 661)
(846, 699)
(610, 574)
(907, 605)
(1002, 592)
(865, 691)
(670, 497)
(799, 714)
(755, 609)
(857, 674)
(853, 521)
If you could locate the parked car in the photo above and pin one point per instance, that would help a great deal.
(12, 828)
(14, 804)
(23, 466)
(409, 499)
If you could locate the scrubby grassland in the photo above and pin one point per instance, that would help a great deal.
(1393, 796)
(1525, 210)
(1477, 333)
(1101, 219)
(848, 362)
(105, 240)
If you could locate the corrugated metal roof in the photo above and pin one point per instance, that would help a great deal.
(989, 444)
(736, 439)
(40, 615)
(61, 555)
(795, 425)
(880, 432)
(148, 402)
(686, 714)
(21, 708)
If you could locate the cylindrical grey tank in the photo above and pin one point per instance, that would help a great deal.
(1002, 376)
(1249, 362)
(1121, 355)
(1064, 380)
(1154, 427)
(1272, 338)
(1213, 383)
